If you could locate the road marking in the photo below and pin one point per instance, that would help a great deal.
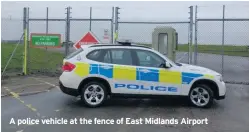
(30, 84)
(40, 80)
(29, 106)
(57, 110)
(17, 97)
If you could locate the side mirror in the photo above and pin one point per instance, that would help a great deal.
(167, 64)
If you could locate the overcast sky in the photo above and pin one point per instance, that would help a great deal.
(129, 10)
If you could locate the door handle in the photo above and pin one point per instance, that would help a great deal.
(144, 70)
(106, 67)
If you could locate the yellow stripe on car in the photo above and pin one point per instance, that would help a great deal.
(209, 76)
(124, 72)
(173, 77)
(82, 69)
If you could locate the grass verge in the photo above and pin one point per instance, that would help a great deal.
(38, 58)
(229, 50)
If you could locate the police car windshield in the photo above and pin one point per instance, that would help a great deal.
(175, 63)
(168, 60)
(178, 64)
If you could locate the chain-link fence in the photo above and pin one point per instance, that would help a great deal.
(223, 42)
(220, 42)
(12, 42)
(45, 60)
(140, 32)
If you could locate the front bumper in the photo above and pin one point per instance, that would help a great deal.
(221, 97)
(69, 91)
(222, 91)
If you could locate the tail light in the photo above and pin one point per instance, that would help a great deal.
(68, 67)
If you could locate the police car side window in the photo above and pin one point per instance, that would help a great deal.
(121, 56)
(107, 57)
(149, 59)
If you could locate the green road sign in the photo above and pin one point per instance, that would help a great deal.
(45, 40)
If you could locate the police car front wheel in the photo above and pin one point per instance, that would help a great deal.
(201, 96)
(93, 94)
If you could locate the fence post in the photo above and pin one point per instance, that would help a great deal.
(112, 41)
(90, 26)
(28, 41)
(191, 34)
(223, 37)
(25, 40)
(47, 22)
(67, 30)
(116, 24)
(196, 48)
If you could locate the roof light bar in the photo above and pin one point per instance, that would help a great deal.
(124, 42)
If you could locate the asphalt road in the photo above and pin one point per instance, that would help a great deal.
(230, 114)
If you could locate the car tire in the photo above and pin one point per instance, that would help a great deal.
(201, 96)
(93, 91)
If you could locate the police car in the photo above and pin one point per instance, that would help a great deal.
(95, 72)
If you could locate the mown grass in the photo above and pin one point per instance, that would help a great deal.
(38, 58)
(229, 50)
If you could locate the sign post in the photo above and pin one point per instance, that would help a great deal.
(88, 38)
(38, 40)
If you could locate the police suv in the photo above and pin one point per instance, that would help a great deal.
(96, 72)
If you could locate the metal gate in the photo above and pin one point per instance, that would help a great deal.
(222, 45)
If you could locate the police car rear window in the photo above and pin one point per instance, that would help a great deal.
(94, 55)
(74, 53)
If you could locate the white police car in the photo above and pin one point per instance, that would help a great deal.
(96, 71)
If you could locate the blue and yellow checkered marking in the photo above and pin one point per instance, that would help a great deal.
(188, 77)
(94, 69)
(173, 77)
(137, 74)
(151, 75)
(106, 70)
(124, 73)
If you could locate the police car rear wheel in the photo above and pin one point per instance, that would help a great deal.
(201, 96)
(93, 94)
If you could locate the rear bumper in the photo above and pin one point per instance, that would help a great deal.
(69, 91)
